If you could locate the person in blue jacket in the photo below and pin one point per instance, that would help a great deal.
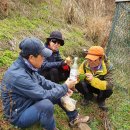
(54, 67)
(27, 96)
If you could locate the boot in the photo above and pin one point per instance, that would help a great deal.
(102, 105)
(54, 129)
(84, 102)
(79, 119)
(87, 98)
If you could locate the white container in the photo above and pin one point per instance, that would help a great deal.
(74, 70)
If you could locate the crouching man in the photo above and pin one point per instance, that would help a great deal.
(28, 97)
(54, 67)
(96, 74)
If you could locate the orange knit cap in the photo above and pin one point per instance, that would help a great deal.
(95, 52)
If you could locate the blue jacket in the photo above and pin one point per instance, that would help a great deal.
(21, 87)
(54, 61)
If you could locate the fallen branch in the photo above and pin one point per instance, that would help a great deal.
(106, 122)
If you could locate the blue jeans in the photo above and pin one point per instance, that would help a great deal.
(42, 112)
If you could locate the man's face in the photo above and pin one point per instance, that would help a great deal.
(54, 45)
(94, 63)
(36, 61)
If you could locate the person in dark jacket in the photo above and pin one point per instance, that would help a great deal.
(96, 73)
(54, 67)
(27, 96)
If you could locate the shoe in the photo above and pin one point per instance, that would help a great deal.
(78, 120)
(84, 102)
(56, 129)
(102, 106)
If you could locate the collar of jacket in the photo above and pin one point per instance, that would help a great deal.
(50, 49)
(101, 71)
(27, 65)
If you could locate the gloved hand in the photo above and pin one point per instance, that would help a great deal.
(65, 67)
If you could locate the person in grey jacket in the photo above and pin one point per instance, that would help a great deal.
(27, 96)
(54, 67)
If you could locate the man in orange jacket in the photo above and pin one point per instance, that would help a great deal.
(96, 74)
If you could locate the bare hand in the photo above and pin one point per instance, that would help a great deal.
(89, 76)
(68, 61)
(69, 93)
(70, 83)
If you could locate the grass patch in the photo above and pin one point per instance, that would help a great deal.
(119, 110)
(7, 58)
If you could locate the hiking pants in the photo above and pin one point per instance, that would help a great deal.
(56, 74)
(87, 90)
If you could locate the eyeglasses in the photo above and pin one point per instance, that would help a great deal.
(55, 41)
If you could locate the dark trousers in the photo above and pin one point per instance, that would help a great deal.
(56, 74)
(87, 90)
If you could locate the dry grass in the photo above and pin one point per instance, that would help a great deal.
(78, 11)
(72, 12)
(94, 16)
(97, 28)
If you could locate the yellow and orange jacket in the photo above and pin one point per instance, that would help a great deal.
(102, 79)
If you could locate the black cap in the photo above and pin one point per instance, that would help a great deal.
(34, 46)
(56, 35)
